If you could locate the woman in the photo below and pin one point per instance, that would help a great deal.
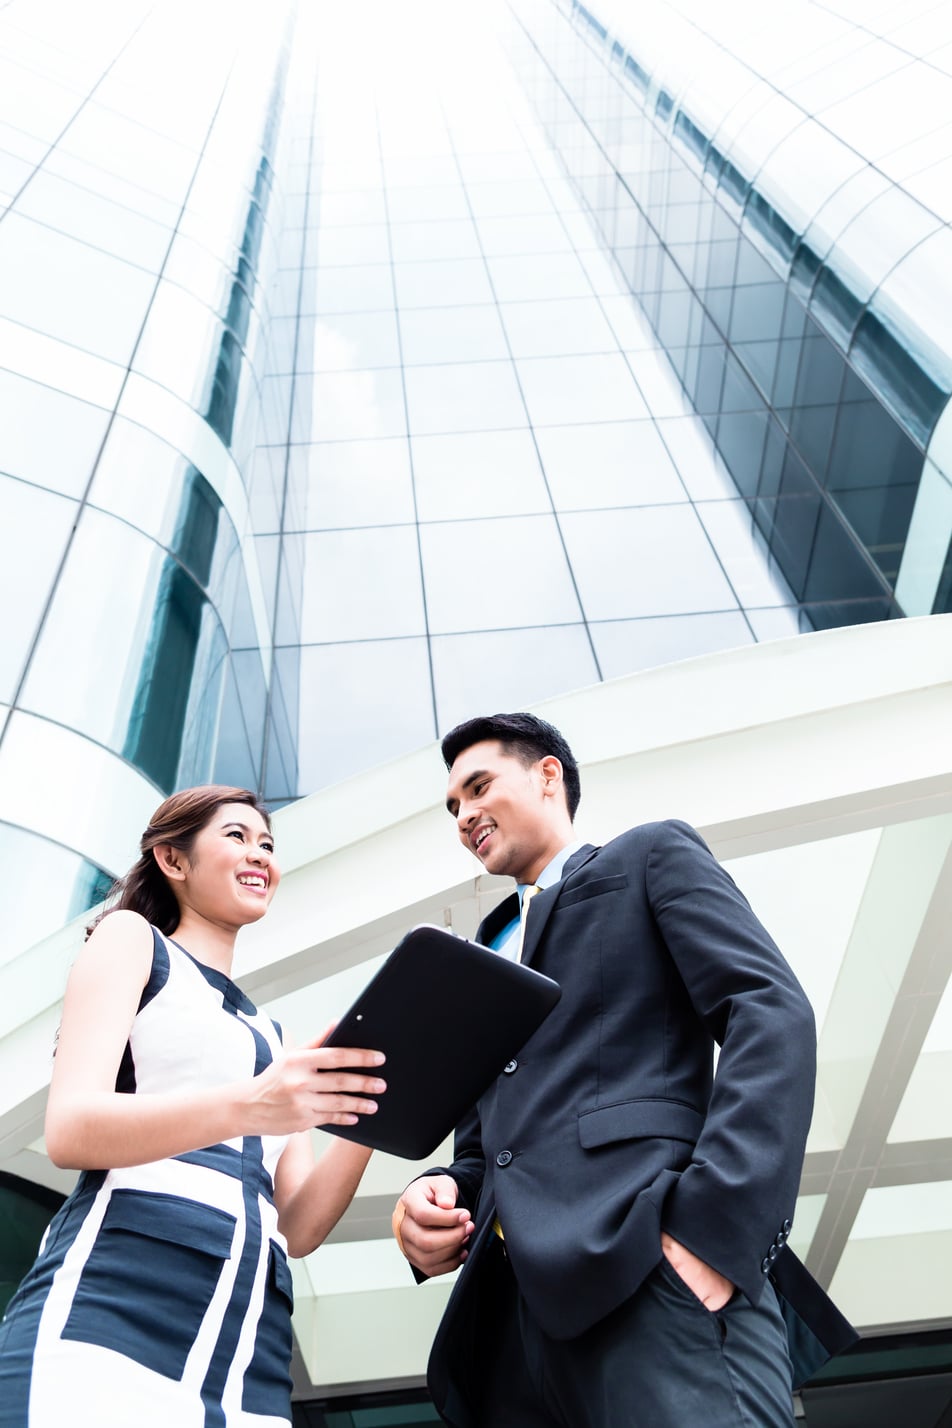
(162, 1295)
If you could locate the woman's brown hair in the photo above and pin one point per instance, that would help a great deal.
(145, 888)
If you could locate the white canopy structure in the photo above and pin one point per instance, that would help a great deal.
(818, 768)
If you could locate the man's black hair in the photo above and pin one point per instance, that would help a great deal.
(526, 738)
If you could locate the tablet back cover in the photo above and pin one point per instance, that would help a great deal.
(448, 1014)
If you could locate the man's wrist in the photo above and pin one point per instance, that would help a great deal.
(396, 1224)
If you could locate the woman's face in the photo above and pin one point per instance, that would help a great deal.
(231, 874)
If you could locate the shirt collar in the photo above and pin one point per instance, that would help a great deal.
(552, 872)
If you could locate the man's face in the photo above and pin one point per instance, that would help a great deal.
(501, 810)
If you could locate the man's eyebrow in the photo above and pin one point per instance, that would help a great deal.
(467, 782)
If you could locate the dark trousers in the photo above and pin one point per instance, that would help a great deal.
(661, 1360)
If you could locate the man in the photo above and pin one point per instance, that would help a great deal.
(622, 1212)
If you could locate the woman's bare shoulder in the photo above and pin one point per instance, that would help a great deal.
(122, 936)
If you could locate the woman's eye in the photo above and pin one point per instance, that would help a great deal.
(236, 833)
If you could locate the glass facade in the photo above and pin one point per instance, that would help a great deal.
(501, 491)
(339, 401)
(790, 249)
(138, 241)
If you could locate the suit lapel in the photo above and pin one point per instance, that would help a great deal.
(494, 922)
(542, 904)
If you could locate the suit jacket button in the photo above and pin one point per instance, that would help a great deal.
(772, 1253)
(504, 1156)
(510, 1066)
(786, 1227)
(765, 1265)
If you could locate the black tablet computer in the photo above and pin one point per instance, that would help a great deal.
(447, 1014)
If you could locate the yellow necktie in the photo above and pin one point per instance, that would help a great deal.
(524, 917)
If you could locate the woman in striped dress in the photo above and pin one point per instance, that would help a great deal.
(161, 1295)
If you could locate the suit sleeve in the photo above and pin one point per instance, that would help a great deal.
(467, 1170)
(730, 1204)
(468, 1166)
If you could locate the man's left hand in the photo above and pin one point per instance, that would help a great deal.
(711, 1288)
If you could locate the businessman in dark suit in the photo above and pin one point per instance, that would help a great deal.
(622, 1211)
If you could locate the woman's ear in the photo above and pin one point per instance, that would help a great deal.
(172, 863)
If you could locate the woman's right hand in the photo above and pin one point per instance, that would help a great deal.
(315, 1085)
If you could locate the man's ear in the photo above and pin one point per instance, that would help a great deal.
(172, 863)
(551, 769)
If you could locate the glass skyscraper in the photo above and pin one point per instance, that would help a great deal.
(331, 382)
(775, 189)
(364, 367)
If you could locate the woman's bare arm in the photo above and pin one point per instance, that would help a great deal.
(312, 1197)
(91, 1126)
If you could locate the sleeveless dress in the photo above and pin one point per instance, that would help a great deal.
(161, 1296)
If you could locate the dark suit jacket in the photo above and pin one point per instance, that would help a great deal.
(610, 1126)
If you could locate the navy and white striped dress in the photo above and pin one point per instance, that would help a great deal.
(161, 1296)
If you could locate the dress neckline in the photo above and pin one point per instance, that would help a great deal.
(230, 990)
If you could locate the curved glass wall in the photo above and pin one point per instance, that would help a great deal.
(789, 252)
(137, 244)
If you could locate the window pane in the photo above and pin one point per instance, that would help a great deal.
(348, 341)
(546, 275)
(33, 536)
(626, 645)
(467, 397)
(339, 603)
(363, 289)
(608, 464)
(444, 238)
(110, 226)
(452, 334)
(508, 197)
(47, 437)
(740, 550)
(340, 209)
(407, 205)
(568, 389)
(507, 669)
(346, 246)
(536, 234)
(135, 153)
(147, 690)
(491, 473)
(557, 328)
(353, 483)
(343, 728)
(54, 885)
(62, 287)
(341, 406)
(655, 560)
(519, 575)
(449, 282)
(32, 103)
